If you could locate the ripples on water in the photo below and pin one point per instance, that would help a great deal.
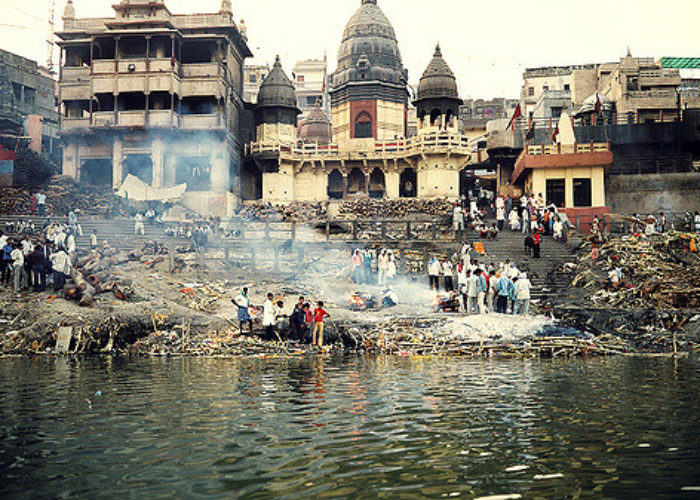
(349, 427)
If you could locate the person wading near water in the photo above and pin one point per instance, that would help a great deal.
(269, 317)
(317, 334)
(473, 289)
(297, 321)
(242, 302)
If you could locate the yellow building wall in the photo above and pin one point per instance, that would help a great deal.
(278, 187)
(537, 182)
(391, 120)
(340, 121)
(311, 185)
(271, 132)
(393, 180)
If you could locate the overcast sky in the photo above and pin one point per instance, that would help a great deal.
(487, 43)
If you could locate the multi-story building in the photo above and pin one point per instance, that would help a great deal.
(550, 91)
(27, 104)
(310, 79)
(156, 95)
(253, 76)
(644, 91)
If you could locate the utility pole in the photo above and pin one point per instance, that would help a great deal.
(50, 35)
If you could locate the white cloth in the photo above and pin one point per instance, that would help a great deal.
(269, 313)
(391, 269)
(447, 269)
(61, 262)
(434, 268)
(17, 258)
(41, 199)
(242, 301)
(522, 289)
(27, 247)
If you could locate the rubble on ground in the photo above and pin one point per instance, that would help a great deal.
(659, 271)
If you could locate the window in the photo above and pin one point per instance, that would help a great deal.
(545, 88)
(312, 100)
(252, 79)
(363, 126)
(582, 193)
(567, 87)
(556, 192)
(531, 91)
(556, 112)
(300, 78)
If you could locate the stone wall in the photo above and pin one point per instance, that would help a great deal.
(652, 193)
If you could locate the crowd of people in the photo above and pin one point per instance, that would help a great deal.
(481, 288)
(305, 324)
(198, 231)
(528, 214)
(370, 268)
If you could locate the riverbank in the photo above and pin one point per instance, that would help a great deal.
(168, 304)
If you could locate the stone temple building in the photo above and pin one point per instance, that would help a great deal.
(155, 95)
(368, 153)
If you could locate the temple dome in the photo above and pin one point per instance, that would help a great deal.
(588, 105)
(316, 127)
(438, 80)
(369, 50)
(277, 90)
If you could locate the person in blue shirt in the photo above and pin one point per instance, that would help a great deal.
(503, 288)
(6, 261)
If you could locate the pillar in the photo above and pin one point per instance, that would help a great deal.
(368, 178)
(219, 167)
(117, 163)
(71, 158)
(158, 158)
(392, 180)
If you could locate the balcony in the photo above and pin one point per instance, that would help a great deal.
(75, 74)
(103, 119)
(201, 70)
(75, 91)
(201, 122)
(72, 124)
(162, 118)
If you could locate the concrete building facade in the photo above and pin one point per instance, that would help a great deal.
(310, 78)
(155, 95)
(27, 104)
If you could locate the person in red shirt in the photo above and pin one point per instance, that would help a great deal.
(317, 333)
(536, 242)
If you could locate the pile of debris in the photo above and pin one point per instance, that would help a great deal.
(367, 208)
(660, 271)
(63, 194)
(294, 212)
(95, 274)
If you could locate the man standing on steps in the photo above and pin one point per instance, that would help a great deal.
(458, 221)
(139, 228)
(536, 244)
(522, 296)
(503, 289)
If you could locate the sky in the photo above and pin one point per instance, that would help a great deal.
(488, 44)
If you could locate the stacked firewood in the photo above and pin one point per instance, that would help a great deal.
(294, 212)
(366, 208)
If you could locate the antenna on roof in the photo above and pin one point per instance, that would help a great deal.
(50, 35)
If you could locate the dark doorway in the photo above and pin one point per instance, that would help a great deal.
(467, 183)
(582, 193)
(140, 166)
(96, 172)
(356, 182)
(408, 184)
(435, 116)
(195, 171)
(251, 182)
(336, 188)
(556, 192)
(377, 184)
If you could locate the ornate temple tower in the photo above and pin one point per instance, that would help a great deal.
(369, 93)
(438, 99)
(276, 110)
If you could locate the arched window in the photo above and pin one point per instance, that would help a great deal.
(435, 116)
(448, 117)
(408, 187)
(356, 182)
(363, 126)
(377, 184)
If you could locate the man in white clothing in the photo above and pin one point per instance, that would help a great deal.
(522, 296)
(269, 317)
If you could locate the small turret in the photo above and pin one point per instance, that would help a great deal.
(69, 11)
(226, 7)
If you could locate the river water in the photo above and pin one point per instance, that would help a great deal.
(349, 427)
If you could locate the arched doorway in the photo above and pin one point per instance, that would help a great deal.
(467, 183)
(377, 184)
(449, 116)
(356, 182)
(363, 126)
(336, 187)
(408, 184)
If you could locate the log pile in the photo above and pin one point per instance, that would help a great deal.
(63, 194)
(294, 212)
(94, 274)
(660, 271)
(366, 208)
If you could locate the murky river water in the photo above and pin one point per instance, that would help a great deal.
(349, 427)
